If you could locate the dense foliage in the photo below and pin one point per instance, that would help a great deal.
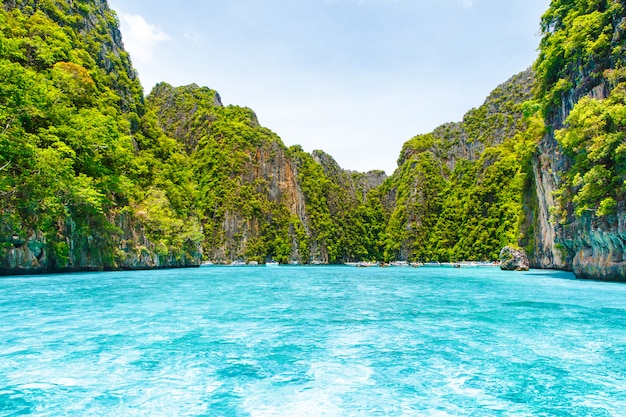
(259, 200)
(70, 111)
(458, 191)
(594, 138)
(582, 50)
(346, 222)
(229, 150)
(578, 44)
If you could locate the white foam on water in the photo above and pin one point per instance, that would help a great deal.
(36, 385)
(308, 403)
(70, 382)
(324, 395)
(340, 377)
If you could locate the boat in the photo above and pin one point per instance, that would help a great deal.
(206, 263)
(367, 264)
(237, 263)
(272, 263)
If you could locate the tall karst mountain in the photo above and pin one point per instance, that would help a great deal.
(580, 169)
(458, 191)
(81, 172)
(258, 198)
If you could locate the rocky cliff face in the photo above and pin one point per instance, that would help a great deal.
(453, 196)
(64, 206)
(490, 124)
(245, 164)
(131, 249)
(591, 245)
(275, 177)
(25, 255)
(598, 246)
(259, 200)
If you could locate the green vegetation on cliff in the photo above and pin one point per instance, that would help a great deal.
(259, 200)
(458, 191)
(579, 42)
(594, 138)
(582, 52)
(243, 213)
(70, 116)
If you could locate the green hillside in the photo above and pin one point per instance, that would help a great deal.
(457, 194)
(79, 160)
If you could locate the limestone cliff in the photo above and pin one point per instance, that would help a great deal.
(584, 238)
(498, 118)
(71, 124)
(258, 199)
(456, 194)
(129, 249)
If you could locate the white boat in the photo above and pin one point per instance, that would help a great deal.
(206, 263)
(272, 263)
(237, 263)
(367, 264)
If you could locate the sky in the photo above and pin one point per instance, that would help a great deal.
(354, 78)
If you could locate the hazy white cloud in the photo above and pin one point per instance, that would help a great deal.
(466, 3)
(141, 38)
(194, 37)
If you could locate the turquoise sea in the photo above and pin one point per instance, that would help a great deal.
(312, 341)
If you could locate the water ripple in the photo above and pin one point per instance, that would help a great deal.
(327, 341)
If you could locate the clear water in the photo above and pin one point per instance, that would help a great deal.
(312, 341)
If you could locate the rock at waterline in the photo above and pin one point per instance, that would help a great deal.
(513, 259)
